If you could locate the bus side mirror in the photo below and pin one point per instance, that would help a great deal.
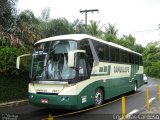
(71, 60)
(18, 60)
(71, 57)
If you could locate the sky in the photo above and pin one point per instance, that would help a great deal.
(141, 18)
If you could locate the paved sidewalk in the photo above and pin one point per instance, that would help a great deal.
(14, 103)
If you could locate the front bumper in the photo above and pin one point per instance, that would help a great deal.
(54, 101)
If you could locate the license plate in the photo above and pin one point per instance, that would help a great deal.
(44, 100)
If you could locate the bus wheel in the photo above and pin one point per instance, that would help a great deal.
(135, 86)
(98, 97)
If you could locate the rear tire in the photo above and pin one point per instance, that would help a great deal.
(135, 87)
(98, 97)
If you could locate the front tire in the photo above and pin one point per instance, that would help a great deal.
(98, 97)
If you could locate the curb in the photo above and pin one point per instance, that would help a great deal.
(14, 103)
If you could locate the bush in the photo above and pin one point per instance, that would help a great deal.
(14, 87)
(13, 82)
(8, 56)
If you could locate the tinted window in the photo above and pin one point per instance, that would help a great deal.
(117, 55)
(131, 58)
(114, 54)
(102, 50)
(136, 59)
(106, 52)
(84, 45)
(124, 56)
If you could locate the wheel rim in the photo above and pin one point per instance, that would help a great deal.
(98, 98)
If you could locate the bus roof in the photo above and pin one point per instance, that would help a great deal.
(79, 37)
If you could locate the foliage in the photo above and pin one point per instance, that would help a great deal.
(8, 56)
(111, 33)
(14, 87)
(27, 27)
(151, 59)
(7, 12)
(127, 41)
(93, 29)
(130, 42)
(59, 26)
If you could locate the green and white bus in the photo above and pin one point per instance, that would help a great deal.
(75, 71)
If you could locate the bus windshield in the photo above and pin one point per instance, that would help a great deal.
(50, 61)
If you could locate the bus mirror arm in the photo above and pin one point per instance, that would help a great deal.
(18, 59)
(71, 57)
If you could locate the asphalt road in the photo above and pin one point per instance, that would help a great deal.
(110, 110)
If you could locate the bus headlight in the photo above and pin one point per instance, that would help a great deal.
(64, 98)
(31, 96)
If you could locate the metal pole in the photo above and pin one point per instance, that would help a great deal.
(159, 91)
(147, 99)
(50, 117)
(123, 108)
(86, 11)
(86, 19)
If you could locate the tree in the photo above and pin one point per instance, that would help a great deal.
(27, 27)
(151, 57)
(7, 13)
(138, 48)
(94, 29)
(111, 33)
(59, 26)
(127, 41)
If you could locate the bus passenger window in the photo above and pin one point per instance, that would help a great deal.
(137, 59)
(112, 54)
(100, 50)
(106, 52)
(130, 58)
(124, 56)
(117, 55)
(87, 60)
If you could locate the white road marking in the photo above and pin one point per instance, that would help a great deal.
(130, 114)
(152, 99)
(152, 85)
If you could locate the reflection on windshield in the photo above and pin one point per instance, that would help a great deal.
(51, 62)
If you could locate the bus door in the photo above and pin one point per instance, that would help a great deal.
(134, 68)
(133, 73)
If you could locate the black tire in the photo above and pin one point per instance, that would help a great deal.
(135, 87)
(98, 97)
